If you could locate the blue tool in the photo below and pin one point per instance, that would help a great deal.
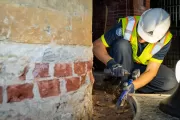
(123, 95)
(135, 75)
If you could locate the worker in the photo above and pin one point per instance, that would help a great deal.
(139, 42)
(171, 105)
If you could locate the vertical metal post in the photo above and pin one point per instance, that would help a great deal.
(126, 6)
(179, 11)
(176, 5)
(170, 9)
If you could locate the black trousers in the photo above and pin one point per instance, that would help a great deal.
(165, 79)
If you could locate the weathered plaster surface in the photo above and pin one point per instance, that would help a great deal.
(44, 53)
(69, 106)
(45, 21)
(14, 57)
(45, 32)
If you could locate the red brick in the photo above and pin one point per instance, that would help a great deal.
(148, 4)
(79, 68)
(41, 70)
(62, 70)
(23, 76)
(83, 79)
(1, 94)
(89, 65)
(49, 88)
(139, 7)
(72, 83)
(17, 93)
(91, 77)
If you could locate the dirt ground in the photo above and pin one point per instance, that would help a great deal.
(104, 108)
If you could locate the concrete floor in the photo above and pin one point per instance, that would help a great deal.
(147, 107)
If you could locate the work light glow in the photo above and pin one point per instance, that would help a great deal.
(177, 71)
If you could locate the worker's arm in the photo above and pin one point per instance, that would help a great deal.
(100, 51)
(150, 72)
(152, 67)
(106, 40)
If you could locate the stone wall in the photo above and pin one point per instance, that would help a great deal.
(45, 60)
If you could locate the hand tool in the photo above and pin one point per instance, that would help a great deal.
(108, 72)
(123, 95)
(135, 75)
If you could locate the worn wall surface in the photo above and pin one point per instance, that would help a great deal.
(44, 21)
(45, 82)
(46, 60)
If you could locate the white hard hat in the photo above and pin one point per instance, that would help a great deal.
(153, 24)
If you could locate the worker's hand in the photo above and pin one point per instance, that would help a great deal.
(129, 86)
(116, 69)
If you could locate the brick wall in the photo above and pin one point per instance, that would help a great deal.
(139, 6)
(47, 81)
(45, 60)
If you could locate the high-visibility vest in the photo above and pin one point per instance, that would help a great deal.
(130, 34)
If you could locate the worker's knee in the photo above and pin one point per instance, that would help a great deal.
(165, 79)
(160, 85)
(169, 83)
(121, 46)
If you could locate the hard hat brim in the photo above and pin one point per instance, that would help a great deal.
(145, 36)
(158, 33)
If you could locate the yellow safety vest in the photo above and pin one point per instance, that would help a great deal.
(130, 34)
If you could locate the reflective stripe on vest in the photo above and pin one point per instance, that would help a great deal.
(128, 35)
(129, 26)
(159, 45)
